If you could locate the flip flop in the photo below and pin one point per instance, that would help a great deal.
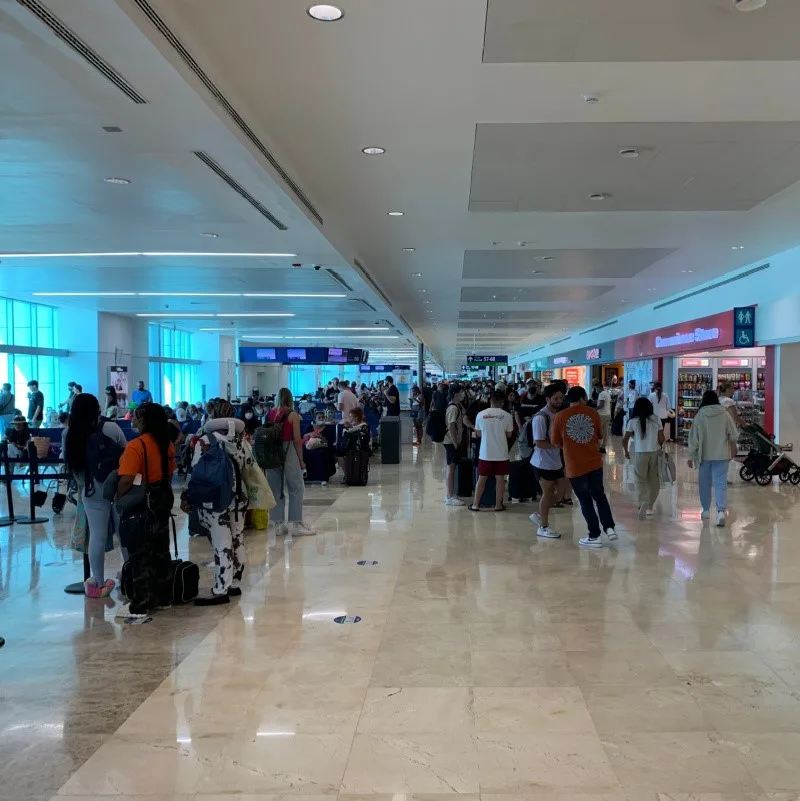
(473, 509)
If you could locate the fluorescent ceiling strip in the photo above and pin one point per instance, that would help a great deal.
(179, 295)
(156, 253)
(255, 314)
(292, 295)
(174, 315)
(365, 328)
(167, 314)
(317, 338)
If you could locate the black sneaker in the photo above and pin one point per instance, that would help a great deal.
(212, 600)
(234, 592)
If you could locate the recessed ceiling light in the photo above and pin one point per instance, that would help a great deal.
(651, 289)
(324, 12)
(749, 5)
(122, 181)
(598, 196)
(547, 258)
(373, 151)
(687, 271)
(210, 234)
(416, 275)
(422, 290)
(629, 153)
(737, 247)
(395, 213)
(408, 250)
(591, 98)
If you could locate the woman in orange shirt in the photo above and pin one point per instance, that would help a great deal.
(149, 460)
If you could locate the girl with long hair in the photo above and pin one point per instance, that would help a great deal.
(151, 458)
(647, 433)
(712, 444)
(660, 401)
(291, 474)
(112, 405)
(86, 428)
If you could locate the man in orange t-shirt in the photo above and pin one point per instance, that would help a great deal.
(578, 431)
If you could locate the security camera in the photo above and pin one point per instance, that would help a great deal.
(297, 266)
(317, 267)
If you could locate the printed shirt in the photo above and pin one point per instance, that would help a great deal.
(578, 430)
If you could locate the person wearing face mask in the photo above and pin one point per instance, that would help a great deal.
(92, 447)
(250, 421)
(6, 408)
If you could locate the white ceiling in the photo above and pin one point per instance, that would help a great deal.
(416, 78)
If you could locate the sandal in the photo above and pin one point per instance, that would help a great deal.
(473, 509)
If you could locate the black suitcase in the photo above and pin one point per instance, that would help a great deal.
(522, 484)
(464, 485)
(356, 468)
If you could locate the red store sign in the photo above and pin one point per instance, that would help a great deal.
(707, 333)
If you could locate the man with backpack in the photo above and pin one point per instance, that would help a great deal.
(546, 461)
(217, 490)
(454, 421)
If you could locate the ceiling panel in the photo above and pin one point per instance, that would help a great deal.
(511, 316)
(530, 263)
(638, 30)
(681, 166)
(539, 294)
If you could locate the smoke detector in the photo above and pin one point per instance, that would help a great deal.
(591, 98)
(749, 5)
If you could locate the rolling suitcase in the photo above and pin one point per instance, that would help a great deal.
(464, 485)
(489, 497)
(522, 485)
(356, 468)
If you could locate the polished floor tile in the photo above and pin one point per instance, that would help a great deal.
(487, 665)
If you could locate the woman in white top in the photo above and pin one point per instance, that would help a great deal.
(646, 430)
(660, 401)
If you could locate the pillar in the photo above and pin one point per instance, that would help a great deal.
(420, 365)
(785, 394)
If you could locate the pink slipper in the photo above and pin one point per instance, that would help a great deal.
(105, 590)
(91, 589)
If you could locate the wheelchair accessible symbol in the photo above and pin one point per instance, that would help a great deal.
(744, 339)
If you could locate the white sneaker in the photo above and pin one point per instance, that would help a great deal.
(720, 519)
(642, 512)
(650, 512)
(705, 514)
(611, 533)
(278, 529)
(124, 612)
(536, 519)
(301, 530)
(588, 542)
(547, 533)
(454, 502)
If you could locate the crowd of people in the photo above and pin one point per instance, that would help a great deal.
(561, 434)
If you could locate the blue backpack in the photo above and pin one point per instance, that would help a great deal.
(212, 478)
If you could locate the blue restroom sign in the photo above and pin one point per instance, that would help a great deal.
(744, 326)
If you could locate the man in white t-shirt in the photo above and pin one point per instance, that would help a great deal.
(494, 426)
(347, 400)
(604, 410)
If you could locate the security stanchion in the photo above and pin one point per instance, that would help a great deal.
(10, 517)
(33, 459)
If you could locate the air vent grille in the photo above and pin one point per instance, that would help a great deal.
(559, 341)
(598, 327)
(187, 58)
(239, 189)
(363, 303)
(367, 277)
(82, 49)
(541, 347)
(338, 278)
(727, 281)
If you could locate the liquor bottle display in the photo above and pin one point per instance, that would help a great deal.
(692, 383)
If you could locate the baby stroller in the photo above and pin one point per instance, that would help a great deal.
(767, 459)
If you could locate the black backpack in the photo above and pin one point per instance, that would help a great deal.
(437, 426)
(102, 455)
(269, 448)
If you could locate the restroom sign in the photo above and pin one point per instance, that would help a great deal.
(744, 326)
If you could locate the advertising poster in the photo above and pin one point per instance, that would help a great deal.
(118, 378)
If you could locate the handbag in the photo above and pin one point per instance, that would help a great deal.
(258, 489)
(667, 471)
(140, 521)
(184, 576)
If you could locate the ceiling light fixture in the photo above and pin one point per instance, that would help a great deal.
(737, 247)
(749, 5)
(373, 151)
(395, 213)
(324, 12)
(119, 181)
(416, 275)
(629, 153)
(84, 294)
(256, 314)
(591, 98)
(152, 254)
(369, 328)
(687, 271)
(210, 234)
(293, 295)
(408, 250)
(599, 196)
(172, 314)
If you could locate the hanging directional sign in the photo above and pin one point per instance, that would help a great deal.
(744, 326)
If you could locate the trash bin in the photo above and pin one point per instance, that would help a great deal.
(390, 440)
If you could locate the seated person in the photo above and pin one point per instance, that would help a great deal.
(355, 436)
(17, 436)
(316, 439)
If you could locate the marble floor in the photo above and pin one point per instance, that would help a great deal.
(485, 663)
